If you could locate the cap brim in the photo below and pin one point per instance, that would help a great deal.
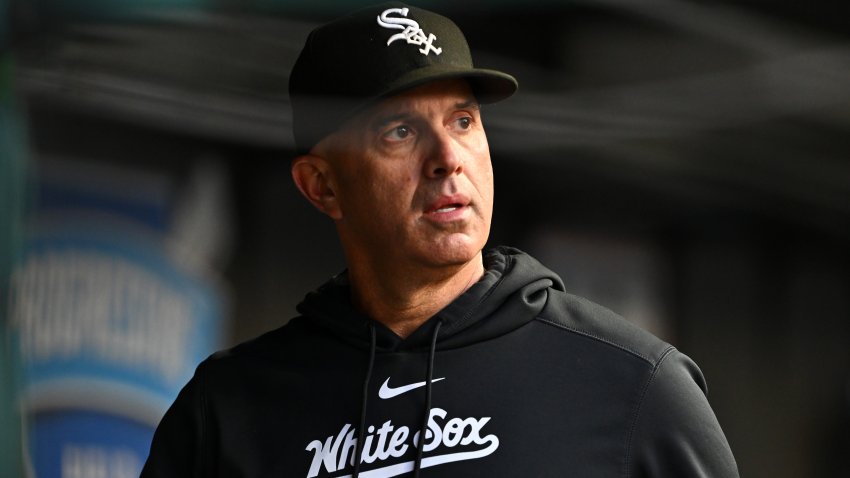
(488, 86)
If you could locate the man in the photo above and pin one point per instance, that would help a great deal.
(509, 375)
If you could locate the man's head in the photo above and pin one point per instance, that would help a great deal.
(396, 151)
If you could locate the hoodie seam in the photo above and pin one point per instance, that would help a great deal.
(637, 411)
(597, 338)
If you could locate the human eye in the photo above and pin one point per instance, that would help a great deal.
(463, 123)
(398, 133)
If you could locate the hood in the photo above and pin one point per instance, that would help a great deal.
(512, 291)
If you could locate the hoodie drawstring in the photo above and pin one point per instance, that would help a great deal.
(429, 376)
(361, 432)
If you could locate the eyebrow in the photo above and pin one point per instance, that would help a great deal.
(383, 121)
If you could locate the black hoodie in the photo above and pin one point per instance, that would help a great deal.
(515, 378)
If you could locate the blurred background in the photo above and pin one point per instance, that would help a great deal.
(685, 163)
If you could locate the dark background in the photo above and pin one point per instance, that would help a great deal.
(685, 163)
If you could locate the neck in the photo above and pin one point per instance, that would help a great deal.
(402, 300)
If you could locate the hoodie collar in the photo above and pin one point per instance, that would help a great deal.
(512, 291)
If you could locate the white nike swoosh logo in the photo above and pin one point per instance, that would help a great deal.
(389, 392)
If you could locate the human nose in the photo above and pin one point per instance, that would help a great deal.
(444, 158)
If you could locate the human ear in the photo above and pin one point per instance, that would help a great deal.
(312, 176)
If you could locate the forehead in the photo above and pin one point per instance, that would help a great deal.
(431, 98)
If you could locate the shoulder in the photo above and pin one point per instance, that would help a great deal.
(672, 430)
(576, 315)
(675, 431)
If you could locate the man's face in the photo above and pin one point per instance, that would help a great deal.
(413, 179)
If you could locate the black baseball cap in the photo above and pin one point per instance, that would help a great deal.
(374, 53)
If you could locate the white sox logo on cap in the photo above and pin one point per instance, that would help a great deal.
(411, 33)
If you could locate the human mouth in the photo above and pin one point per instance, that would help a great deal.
(448, 208)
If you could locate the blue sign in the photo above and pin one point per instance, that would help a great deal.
(106, 329)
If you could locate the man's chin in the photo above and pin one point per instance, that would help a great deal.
(454, 251)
